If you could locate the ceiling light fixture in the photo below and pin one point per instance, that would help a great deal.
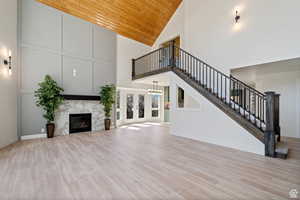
(155, 90)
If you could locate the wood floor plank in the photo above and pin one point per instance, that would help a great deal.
(142, 161)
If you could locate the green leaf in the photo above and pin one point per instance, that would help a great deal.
(107, 95)
(48, 97)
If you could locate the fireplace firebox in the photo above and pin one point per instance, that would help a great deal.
(80, 122)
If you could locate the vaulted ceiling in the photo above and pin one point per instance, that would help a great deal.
(141, 20)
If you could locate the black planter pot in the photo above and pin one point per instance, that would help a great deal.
(107, 123)
(50, 127)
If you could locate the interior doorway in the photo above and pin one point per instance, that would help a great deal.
(175, 41)
(166, 56)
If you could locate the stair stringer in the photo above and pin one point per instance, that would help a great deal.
(208, 123)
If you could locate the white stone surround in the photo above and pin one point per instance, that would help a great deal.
(77, 107)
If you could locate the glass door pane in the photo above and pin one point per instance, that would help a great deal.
(155, 106)
(118, 105)
(130, 104)
(141, 106)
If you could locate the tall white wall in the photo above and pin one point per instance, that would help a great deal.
(208, 123)
(8, 84)
(267, 31)
(128, 49)
(174, 28)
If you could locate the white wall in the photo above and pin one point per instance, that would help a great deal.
(208, 124)
(128, 49)
(55, 43)
(287, 85)
(8, 84)
(271, 77)
(174, 28)
(268, 31)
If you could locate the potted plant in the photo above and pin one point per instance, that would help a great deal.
(48, 98)
(107, 99)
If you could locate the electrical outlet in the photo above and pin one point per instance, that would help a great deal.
(42, 130)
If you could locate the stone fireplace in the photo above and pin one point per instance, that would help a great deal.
(80, 111)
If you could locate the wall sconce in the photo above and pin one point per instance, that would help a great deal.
(237, 17)
(8, 62)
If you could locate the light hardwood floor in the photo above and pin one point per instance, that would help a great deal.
(141, 161)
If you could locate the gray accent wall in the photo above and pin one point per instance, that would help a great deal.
(8, 84)
(59, 44)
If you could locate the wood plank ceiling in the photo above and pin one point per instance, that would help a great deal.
(141, 20)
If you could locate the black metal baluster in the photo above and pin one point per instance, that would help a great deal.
(221, 86)
(263, 109)
(199, 65)
(244, 101)
(259, 112)
(202, 66)
(209, 78)
(184, 62)
(214, 90)
(193, 64)
(239, 98)
(249, 106)
(206, 83)
(196, 65)
(218, 84)
(230, 89)
(226, 89)
(188, 61)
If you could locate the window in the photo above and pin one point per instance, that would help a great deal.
(141, 106)
(155, 106)
(118, 105)
(167, 98)
(180, 97)
(130, 103)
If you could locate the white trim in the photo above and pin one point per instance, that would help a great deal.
(189, 109)
(29, 137)
(132, 89)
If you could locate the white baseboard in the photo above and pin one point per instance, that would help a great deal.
(29, 137)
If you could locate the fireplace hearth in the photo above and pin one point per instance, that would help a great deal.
(80, 122)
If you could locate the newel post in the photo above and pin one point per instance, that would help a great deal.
(276, 116)
(269, 137)
(133, 68)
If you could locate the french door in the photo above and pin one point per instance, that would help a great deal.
(135, 107)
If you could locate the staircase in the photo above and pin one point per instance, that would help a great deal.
(258, 113)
